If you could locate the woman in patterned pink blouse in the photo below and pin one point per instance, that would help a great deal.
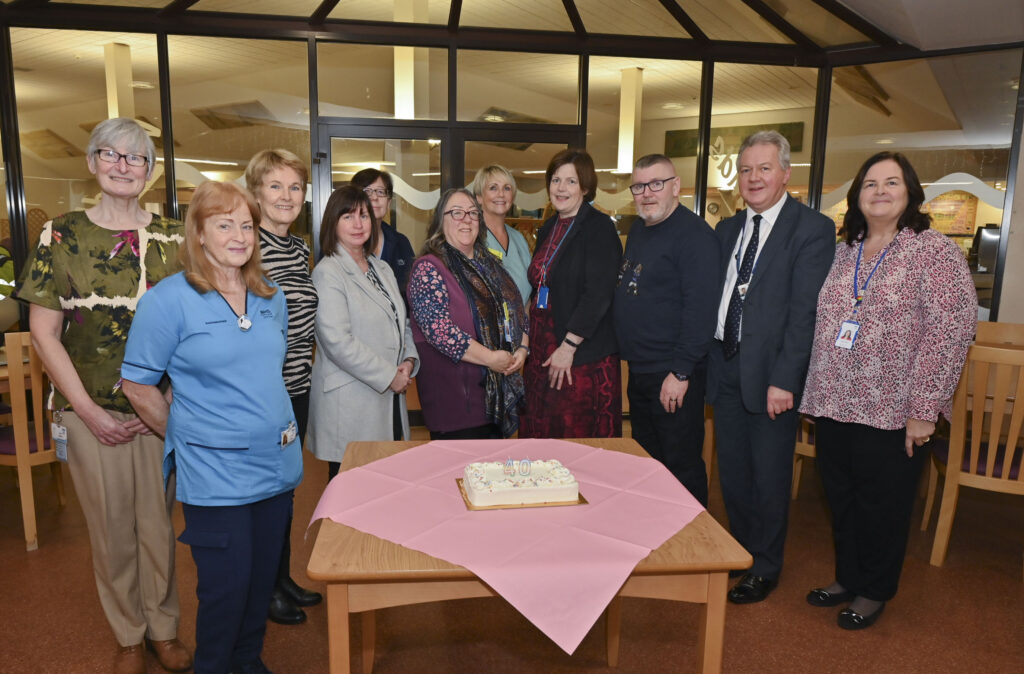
(895, 318)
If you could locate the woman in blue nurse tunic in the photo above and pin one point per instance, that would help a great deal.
(218, 331)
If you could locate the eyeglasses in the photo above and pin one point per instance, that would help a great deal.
(375, 192)
(461, 214)
(655, 185)
(112, 157)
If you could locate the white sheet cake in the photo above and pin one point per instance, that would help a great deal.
(487, 484)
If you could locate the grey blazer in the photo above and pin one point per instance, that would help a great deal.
(358, 350)
(780, 305)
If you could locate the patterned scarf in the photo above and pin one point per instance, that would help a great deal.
(489, 288)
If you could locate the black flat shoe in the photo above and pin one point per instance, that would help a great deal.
(822, 597)
(752, 589)
(851, 620)
(299, 596)
(283, 612)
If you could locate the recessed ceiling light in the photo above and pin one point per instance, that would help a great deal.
(885, 141)
(142, 84)
(672, 106)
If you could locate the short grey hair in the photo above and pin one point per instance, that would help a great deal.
(768, 137)
(649, 160)
(487, 173)
(110, 132)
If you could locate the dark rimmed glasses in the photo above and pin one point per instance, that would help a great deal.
(461, 214)
(655, 185)
(112, 157)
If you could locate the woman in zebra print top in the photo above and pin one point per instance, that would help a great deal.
(278, 180)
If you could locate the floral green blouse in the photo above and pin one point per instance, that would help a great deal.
(94, 276)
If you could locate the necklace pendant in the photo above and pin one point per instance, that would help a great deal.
(244, 323)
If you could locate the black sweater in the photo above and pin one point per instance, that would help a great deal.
(666, 301)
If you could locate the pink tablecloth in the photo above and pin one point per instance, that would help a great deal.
(560, 566)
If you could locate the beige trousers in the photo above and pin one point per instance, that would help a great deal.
(129, 517)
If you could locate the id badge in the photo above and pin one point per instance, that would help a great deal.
(289, 434)
(59, 433)
(542, 297)
(847, 334)
(742, 290)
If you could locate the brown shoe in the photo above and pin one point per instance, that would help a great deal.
(130, 660)
(171, 654)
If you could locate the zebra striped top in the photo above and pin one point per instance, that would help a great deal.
(286, 261)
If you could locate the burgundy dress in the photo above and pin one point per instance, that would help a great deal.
(589, 408)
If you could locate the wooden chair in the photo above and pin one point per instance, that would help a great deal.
(985, 447)
(805, 448)
(26, 443)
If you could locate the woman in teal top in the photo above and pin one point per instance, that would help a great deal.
(495, 189)
(219, 331)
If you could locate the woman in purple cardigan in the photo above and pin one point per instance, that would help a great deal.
(469, 327)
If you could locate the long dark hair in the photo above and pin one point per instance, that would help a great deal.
(855, 226)
(346, 199)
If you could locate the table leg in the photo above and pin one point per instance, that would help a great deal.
(712, 624)
(338, 629)
(369, 639)
(613, 617)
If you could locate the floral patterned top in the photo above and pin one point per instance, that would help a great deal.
(428, 302)
(93, 275)
(917, 320)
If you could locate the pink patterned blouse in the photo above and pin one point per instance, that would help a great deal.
(917, 320)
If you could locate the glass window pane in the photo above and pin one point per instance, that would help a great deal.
(731, 20)
(359, 80)
(530, 14)
(415, 168)
(638, 17)
(61, 90)
(669, 92)
(952, 117)
(750, 98)
(232, 98)
(518, 87)
(407, 11)
(527, 162)
(278, 7)
(818, 24)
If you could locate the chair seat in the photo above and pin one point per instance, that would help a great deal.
(941, 450)
(7, 441)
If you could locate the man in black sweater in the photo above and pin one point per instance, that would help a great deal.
(665, 310)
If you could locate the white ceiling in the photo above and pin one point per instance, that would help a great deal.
(945, 24)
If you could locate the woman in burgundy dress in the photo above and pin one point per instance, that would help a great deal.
(573, 383)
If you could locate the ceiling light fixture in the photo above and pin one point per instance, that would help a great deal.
(885, 141)
(204, 161)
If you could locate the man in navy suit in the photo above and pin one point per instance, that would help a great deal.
(775, 256)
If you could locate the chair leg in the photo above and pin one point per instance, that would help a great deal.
(28, 506)
(929, 499)
(58, 477)
(947, 510)
(798, 464)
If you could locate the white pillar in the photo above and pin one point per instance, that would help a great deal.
(631, 93)
(117, 63)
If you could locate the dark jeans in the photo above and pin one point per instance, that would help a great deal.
(676, 439)
(870, 484)
(236, 550)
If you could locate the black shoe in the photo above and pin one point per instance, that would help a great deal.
(851, 620)
(736, 573)
(752, 589)
(299, 595)
(822, 597)
(254, 667)
(284, 612)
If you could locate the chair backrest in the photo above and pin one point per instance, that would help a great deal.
(985, 431)
(999, 333)
(26, 379)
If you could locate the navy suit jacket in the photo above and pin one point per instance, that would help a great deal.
(781, 302)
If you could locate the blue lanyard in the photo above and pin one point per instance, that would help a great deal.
(858, 297)
(547, 260)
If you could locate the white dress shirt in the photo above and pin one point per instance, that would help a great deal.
(768, 218)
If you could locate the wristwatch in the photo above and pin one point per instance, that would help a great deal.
(681, 377)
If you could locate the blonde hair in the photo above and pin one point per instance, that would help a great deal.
(210, 199)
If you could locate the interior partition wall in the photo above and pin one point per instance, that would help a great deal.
(431, 103)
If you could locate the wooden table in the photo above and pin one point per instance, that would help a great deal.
(365, 573)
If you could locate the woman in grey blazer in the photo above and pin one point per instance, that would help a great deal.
(365, 353)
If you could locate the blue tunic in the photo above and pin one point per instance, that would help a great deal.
(230, 405)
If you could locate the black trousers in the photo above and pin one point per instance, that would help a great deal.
(676, 439)
(485, 432)
(755, 469)
(236, 550)
(870, 484)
